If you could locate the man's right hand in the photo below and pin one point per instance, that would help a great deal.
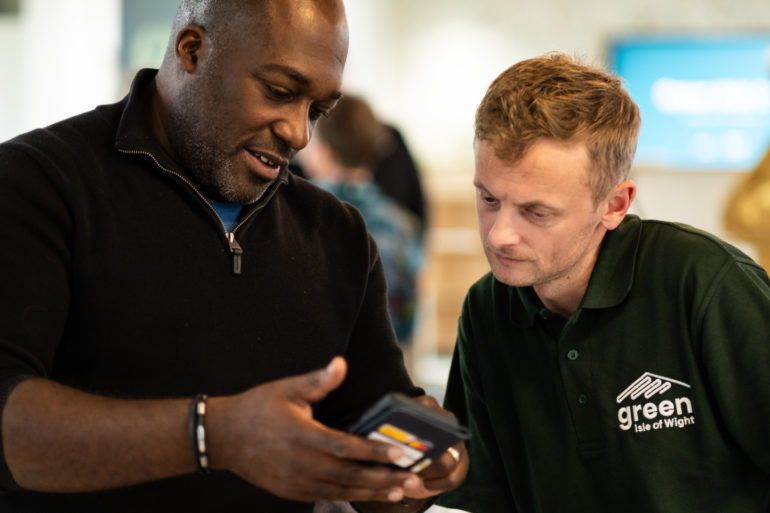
(58, 439)
(267, 435)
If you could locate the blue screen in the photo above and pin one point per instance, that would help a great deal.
(705, 101)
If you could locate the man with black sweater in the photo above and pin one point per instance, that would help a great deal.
(174, 300)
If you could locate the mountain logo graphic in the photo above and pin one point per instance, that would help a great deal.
(644, 414)
(648, 384)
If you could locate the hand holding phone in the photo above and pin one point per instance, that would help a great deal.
(423, 433)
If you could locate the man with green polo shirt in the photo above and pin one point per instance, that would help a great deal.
(607, 363)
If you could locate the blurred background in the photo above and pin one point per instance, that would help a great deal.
(699, 70)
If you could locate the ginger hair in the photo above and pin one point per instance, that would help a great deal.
(557, 97)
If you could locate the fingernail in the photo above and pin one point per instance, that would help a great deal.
(395, 454)
(411, 482)
(395, 495)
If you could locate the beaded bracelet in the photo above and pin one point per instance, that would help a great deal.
(198, 433)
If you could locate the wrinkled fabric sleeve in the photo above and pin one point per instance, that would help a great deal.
(733, 325)
(485, 489)
(375, 360)
(34, 270)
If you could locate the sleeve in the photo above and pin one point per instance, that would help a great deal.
(34, 272)
(735, 333)
(375, 361)
(485, 489)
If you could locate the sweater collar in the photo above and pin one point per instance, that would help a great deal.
(134, 130)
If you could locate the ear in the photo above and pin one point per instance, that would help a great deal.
(617, 204)
(190, 46)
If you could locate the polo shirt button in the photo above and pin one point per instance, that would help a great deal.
(582, 399)
(572, 354)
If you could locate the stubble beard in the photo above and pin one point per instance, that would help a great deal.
(504, 273)
(199, 151)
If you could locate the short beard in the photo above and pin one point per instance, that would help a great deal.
(193, 139)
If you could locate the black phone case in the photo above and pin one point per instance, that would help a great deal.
(422, 432)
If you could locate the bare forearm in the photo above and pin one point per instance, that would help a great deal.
(58, 439)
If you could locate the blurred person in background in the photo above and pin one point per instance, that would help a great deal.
(395, 173)
(347, 143)
(747, 214)
(607, 363)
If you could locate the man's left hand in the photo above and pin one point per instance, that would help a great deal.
(445, 473)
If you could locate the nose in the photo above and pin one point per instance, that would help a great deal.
(294, 128)
(504, 230)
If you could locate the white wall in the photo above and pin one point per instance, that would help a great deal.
(60, 57)
(9, 84)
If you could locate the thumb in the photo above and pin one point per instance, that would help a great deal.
(316, 385)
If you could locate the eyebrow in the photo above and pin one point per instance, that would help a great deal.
(478, 185)
(528, 204)
(297, 77)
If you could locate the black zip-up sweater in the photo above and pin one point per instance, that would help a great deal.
(118, 278)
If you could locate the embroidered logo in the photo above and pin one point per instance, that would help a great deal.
(641, 415)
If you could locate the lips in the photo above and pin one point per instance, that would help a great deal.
(265, 164)
(267, 159)
(509, 259)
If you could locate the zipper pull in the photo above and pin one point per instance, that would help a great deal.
(237, 251)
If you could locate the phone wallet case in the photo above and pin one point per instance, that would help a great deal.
(422, 432)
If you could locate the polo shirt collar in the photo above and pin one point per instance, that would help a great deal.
(530, 302)
(610, 281)
(613, 274)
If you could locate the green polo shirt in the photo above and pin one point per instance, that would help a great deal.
(654, 396)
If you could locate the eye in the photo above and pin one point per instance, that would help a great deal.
(316, 113)
(486, 199)
(538, 214)
(279, 94)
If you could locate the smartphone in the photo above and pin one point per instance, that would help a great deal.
(422, 432)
